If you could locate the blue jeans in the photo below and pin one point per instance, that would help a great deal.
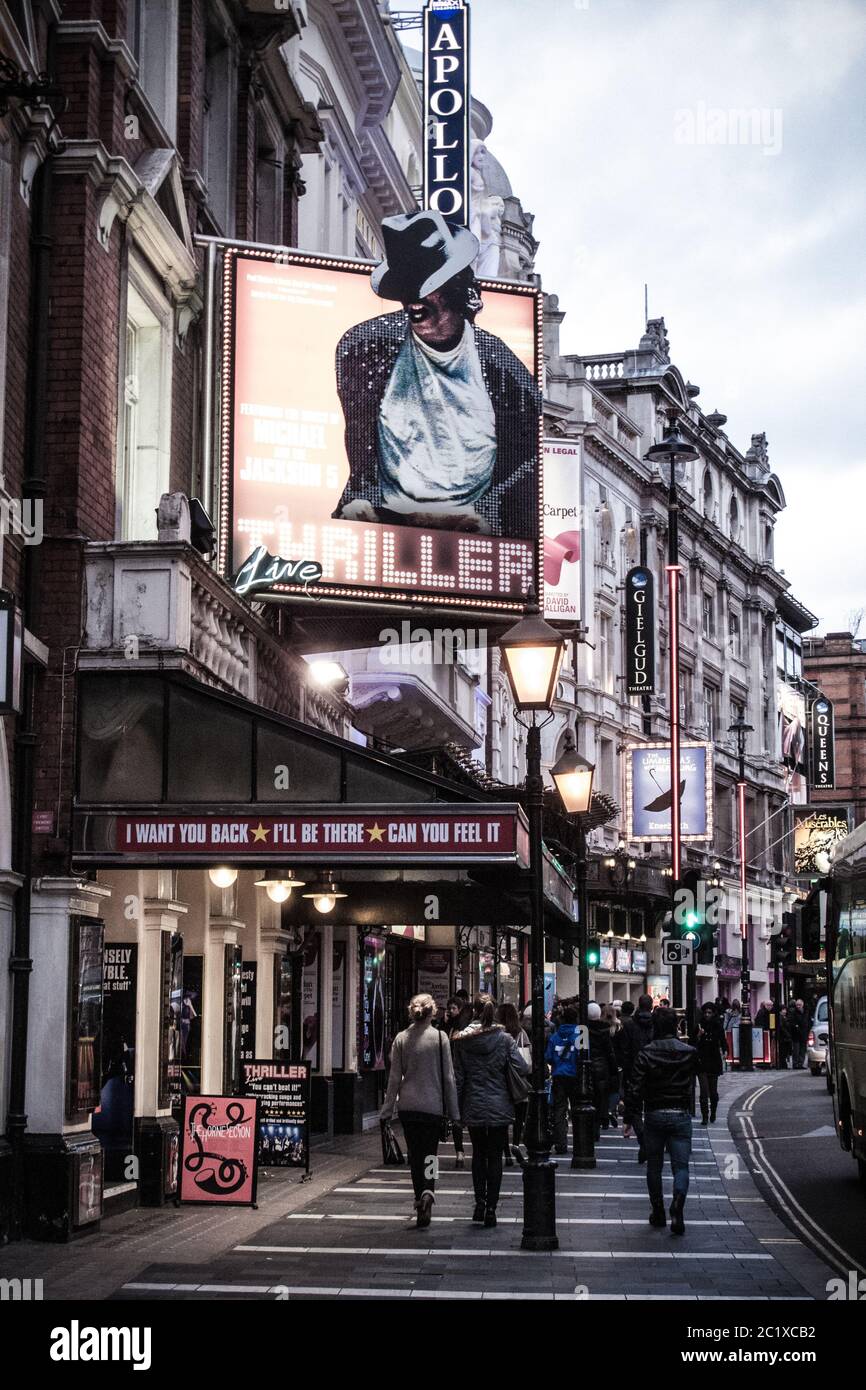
(671, 1130)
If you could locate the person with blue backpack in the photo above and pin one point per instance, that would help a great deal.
(562, 1056)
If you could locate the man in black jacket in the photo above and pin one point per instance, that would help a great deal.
(798, 1023)
(662, 1082)
(441, 417)
(637, 1032)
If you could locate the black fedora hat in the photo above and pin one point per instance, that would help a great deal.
(422, 253)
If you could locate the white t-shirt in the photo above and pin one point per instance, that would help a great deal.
(437, 429)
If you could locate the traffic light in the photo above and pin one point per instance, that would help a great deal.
(786, 941)
(593, 952)
(810, 928)
(691, 914)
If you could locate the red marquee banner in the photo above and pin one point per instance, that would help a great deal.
(465, 834)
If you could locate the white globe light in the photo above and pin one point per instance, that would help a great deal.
(222, 876)
(278, 892)
(324, 902)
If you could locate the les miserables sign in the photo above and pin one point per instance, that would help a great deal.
(461, 833)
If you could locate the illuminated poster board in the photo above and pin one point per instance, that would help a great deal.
(648, 776)
(324, 388)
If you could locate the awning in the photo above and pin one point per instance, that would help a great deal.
(175, 775)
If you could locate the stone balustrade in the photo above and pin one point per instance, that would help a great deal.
(156, 605)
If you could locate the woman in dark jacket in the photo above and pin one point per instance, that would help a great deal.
(458, 1015)
(712, 1048)
(508, 1016)
(481, 1053)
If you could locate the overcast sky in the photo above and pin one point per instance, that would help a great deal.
(606, 119)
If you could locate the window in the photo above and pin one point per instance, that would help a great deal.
(144, 436)
(605, 655)
(151, 31)
(218, 162)
(708, 615)
(711, 710)
(735, 635)
(768, 542)
(734, 520)
(780, 651)
(605, 766)
(709, 495)
(686, 686)
(270, 177)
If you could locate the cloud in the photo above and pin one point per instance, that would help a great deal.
(755, 260)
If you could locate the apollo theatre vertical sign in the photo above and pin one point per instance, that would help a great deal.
(446, 109)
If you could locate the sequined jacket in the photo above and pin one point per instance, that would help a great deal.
(365, 359)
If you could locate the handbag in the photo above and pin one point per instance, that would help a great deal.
(445, 1125)
(392, 1154)
(525, 1049)
(519, 1085)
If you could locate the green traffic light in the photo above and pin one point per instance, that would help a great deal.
(592, 958)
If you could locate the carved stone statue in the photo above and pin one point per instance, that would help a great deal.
(486, 212)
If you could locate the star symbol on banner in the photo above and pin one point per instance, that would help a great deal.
(376, 832)
(260, 833)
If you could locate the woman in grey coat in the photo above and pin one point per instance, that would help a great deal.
(421, 1085)
(481, 1054)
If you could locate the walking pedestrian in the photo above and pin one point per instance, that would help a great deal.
(662, 1083)
(732, 1017)
(762, 1017)
(421, 1085)
(711, 1046)
(638, 1031)
(602, 1063)
(798, 1023)
(458, 1017)
(482, 1052)
(784, 1039)
(508, 1016)
(610, 1016)
(561, 1056)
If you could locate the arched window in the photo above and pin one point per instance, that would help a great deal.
(734, 520)
(709, 494)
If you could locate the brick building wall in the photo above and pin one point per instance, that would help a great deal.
(836, 663)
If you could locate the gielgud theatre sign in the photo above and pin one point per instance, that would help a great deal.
(382, 425)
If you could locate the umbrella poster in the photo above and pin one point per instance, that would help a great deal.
(649, 791)
(218, 1158)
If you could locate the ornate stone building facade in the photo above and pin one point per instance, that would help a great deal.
(616, 405)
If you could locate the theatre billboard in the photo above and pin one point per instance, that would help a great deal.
(361, 459)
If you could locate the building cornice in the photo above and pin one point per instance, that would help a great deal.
(92, 33)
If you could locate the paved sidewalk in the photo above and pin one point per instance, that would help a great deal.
(357, 1239)
(350, 1234)
(94, 1266)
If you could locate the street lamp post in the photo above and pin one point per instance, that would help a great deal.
(740, 728)
(532, 651)
(671, 455)
(572, 776)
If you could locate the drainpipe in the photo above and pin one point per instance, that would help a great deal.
(34, 489)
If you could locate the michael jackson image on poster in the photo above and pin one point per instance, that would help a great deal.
(441, 417)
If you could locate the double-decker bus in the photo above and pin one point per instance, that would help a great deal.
(846, 975)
